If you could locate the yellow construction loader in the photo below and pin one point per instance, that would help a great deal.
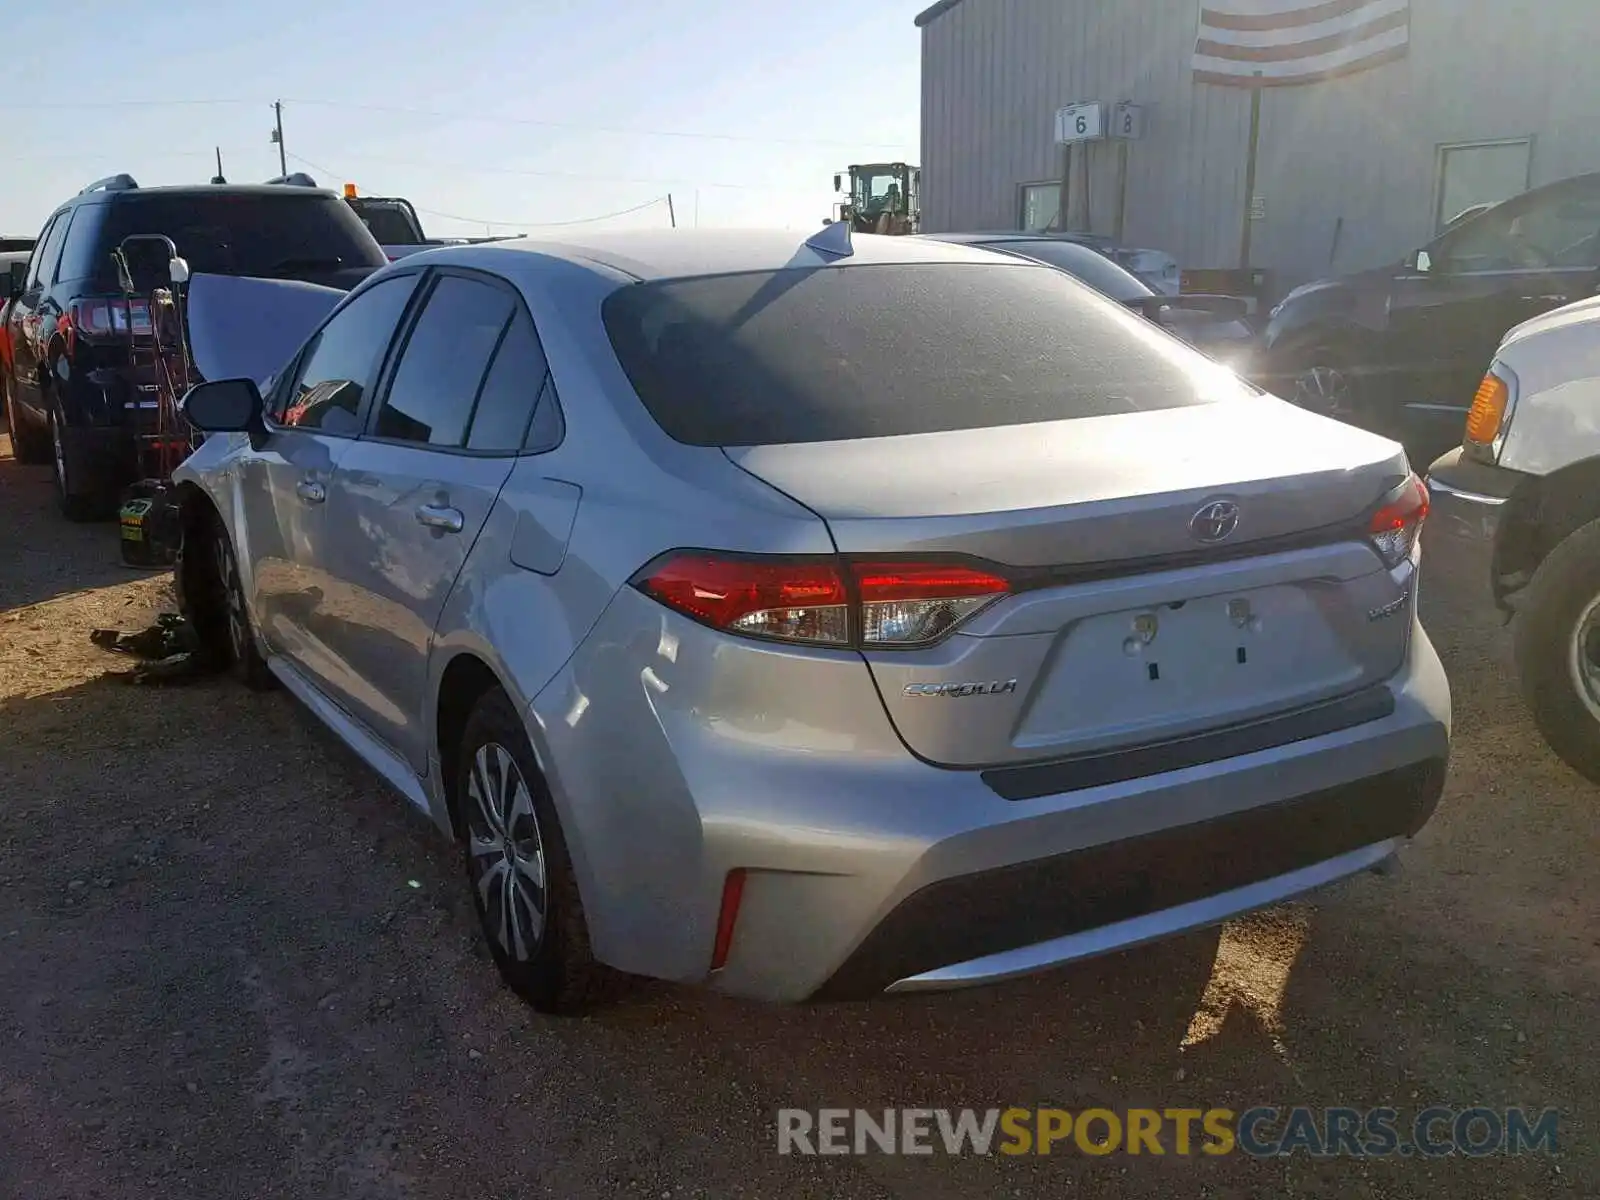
(882, 198)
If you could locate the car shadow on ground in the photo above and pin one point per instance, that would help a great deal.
(42, 555)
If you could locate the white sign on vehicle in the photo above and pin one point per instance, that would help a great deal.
(1127, 121)
(1083, 122)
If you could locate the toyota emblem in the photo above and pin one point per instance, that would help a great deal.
(1215, 521)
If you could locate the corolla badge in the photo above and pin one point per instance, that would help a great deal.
(1215, 521)
(997, 687)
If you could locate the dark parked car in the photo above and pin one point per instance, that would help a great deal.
(1400, 349)
(1214, 324)
(72, 393)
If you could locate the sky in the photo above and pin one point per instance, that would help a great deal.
(511, 117)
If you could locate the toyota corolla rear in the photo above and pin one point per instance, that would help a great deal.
(1083, 642)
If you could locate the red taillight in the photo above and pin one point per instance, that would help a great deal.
(822, 601)
(98, 320)
(727, 917)
(797, 600)
(1397, 523)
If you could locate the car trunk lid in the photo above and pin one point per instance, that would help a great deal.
(1125, 626)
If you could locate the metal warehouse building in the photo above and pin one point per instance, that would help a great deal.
(1378, 120)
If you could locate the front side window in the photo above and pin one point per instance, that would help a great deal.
(339, 366)
(442, 367)
(1557, 229)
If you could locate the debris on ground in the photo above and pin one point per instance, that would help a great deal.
(170, 651)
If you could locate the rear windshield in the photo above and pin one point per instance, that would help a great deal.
(390, 224)
(823, 354)
(246, 233)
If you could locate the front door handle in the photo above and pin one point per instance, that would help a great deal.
(311, 491)
(438, 516)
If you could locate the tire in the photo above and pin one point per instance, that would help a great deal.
(540, 943)
(76, 502)
(26, 444)
(1560, 603)
(213, 600)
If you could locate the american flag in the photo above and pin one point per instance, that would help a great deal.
(1250, 43)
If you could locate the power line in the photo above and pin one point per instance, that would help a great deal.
(621, 212)
(576, 127)
(329, 171)
(20, 106)
(582, 128)
(472, 168)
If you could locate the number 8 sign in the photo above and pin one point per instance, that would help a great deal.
(1127, 121)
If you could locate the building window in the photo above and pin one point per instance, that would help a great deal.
(1041, 206)
(1474, 175)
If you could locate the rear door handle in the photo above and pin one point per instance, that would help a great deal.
(311, 491)
(438, 516)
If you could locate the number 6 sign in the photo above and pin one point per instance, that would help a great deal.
(1085, 122)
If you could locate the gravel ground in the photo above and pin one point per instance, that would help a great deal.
(232, 965)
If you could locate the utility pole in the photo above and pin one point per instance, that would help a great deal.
(1251, 154)
(277, 136)
(672, 213)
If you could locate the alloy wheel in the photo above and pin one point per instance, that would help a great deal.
(1583, 657)
(232, 598)
(506, 853)
(58, 453)
(1323, 389)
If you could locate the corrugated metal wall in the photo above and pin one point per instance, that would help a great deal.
(1363, 148)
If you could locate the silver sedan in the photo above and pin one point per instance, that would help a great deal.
(820, 619)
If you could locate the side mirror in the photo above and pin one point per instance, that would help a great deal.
(838, 184)
(16, 280)
(224, 406)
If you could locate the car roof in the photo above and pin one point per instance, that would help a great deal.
(677, 253)
(202, 189)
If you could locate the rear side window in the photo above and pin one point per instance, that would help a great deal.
(247, 233)
(443, 365)
(823, 354)
(516, 382)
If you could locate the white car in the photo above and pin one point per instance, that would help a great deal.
(1523, 489)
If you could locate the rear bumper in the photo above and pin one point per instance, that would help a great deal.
(673, 760)
(998, 924)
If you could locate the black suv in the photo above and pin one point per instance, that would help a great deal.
(73, 394)
(1402, 348)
